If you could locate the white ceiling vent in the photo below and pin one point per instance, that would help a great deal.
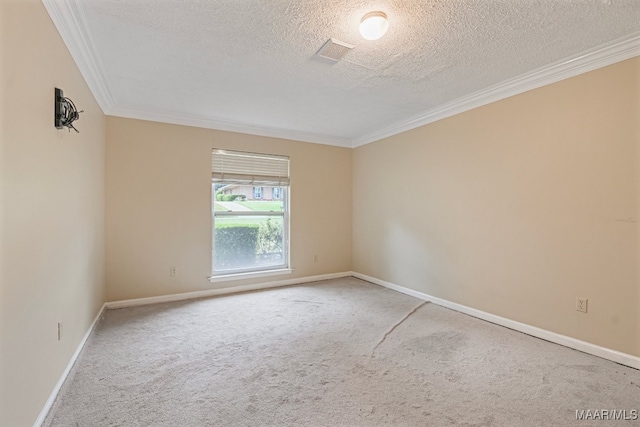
(334, 49)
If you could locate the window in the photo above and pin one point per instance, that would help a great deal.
(276, 193)
(250, 234)
(257, 192)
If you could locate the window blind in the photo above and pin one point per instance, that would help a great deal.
(249, 168)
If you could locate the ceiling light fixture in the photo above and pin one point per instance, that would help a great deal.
(374, 25)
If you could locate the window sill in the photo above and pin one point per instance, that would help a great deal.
(249, 275)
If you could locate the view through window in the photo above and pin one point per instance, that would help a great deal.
(250, 212)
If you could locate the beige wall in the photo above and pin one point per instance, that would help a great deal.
(516, 208)
(159, 206)
(52, 212)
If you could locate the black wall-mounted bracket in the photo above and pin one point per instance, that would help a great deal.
(59, 99)
(65, 112)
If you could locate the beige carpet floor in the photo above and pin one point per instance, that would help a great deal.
(335, 353)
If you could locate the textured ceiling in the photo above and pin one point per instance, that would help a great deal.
(250, 65)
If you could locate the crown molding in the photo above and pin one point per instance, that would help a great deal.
(68, 17)
(204, 122)
(592, 59)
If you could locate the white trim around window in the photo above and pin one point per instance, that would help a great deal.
(249, 275)
(242, 215)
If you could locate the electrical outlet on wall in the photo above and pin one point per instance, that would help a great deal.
(59, 331)
(581, 304)
(173, 271)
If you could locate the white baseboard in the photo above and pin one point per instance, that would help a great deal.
(52, 397)
(596, 350)
(224, 291)
(605, 353)
(167, 298)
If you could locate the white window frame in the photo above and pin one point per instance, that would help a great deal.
(285, 188)
(257, 193)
